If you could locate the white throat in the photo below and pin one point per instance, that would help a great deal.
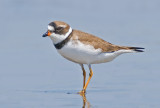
(56, 38)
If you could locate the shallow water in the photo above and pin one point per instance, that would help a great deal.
(34, 75)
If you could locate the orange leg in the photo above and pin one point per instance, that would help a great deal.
(84, 75)
(90, 76)
(84, 79)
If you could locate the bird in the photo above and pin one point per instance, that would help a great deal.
(84, 48)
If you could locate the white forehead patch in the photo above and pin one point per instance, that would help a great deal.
(51, 28)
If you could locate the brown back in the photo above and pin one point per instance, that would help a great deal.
(96, 42)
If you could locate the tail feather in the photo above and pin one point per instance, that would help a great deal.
(137, 49)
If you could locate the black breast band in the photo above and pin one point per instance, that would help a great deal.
(62, 43)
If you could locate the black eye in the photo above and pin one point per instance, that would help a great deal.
(58, 29)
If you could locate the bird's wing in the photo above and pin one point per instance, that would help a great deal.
(96, 42)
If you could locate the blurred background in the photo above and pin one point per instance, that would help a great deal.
(34, 75)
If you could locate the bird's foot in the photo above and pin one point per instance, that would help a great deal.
(82, 92)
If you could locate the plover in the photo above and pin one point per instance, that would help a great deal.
(83, 48)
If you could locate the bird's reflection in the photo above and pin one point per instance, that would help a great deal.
(86, 104)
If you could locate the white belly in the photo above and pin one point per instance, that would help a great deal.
(85, 54)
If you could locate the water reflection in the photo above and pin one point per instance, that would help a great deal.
(86, 104)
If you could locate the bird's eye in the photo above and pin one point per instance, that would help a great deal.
(58, 29)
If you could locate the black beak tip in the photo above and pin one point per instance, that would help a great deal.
(44, 35)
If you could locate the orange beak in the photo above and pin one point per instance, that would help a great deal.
(48, 33)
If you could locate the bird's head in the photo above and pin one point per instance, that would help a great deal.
(58, 31)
